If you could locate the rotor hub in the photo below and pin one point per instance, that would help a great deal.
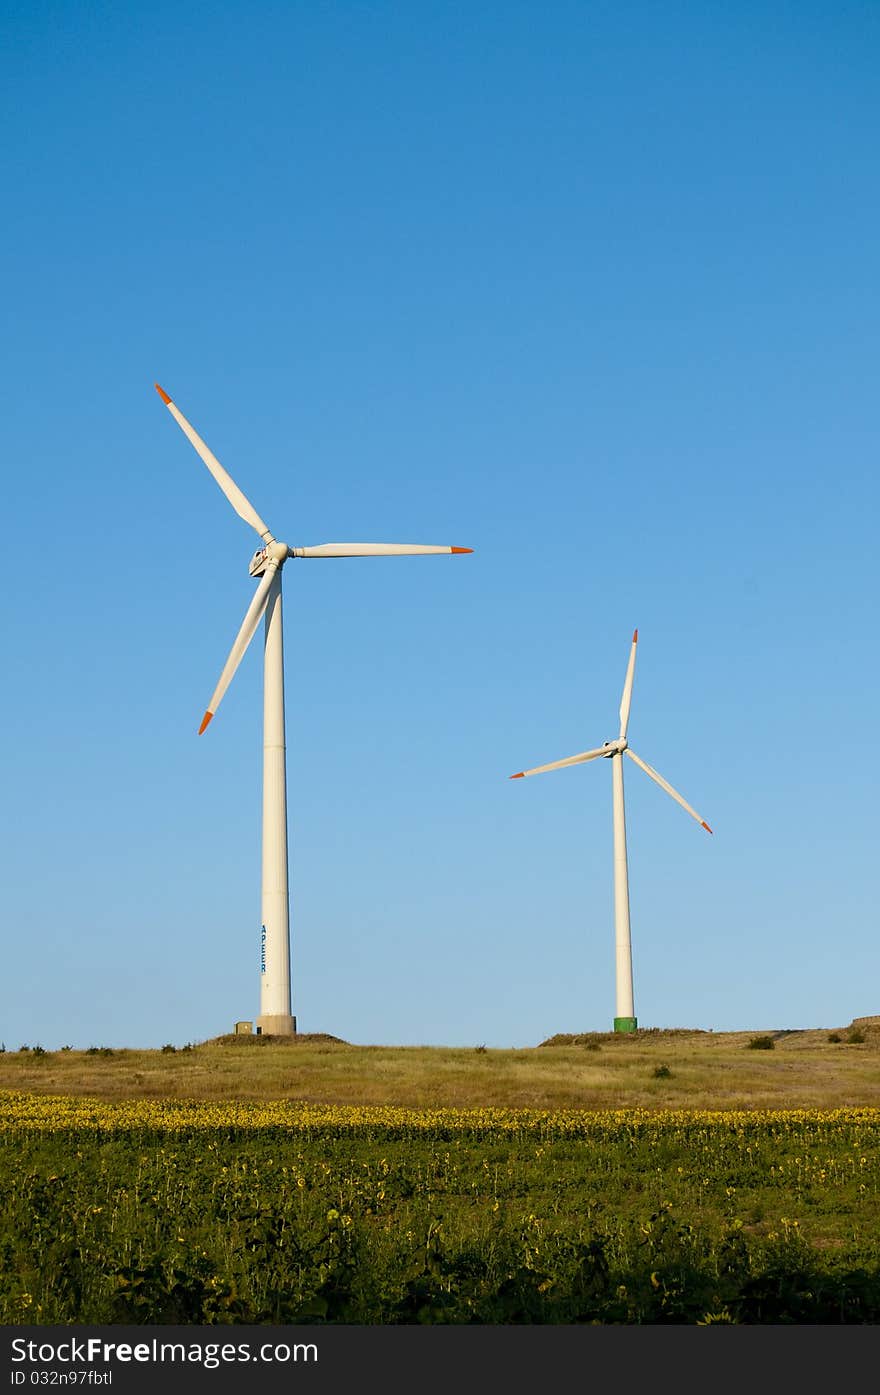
(276, 552)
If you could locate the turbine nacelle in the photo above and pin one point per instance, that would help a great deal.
(275, 551)
(611, 748)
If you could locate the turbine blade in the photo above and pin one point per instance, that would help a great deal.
(558, 764)
(665, 785)
(243, 507)
(626, 700)
(355, 549)
(248, 629)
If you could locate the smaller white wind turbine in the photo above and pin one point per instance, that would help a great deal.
(625, 1020)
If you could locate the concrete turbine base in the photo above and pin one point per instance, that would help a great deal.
(277, 1025)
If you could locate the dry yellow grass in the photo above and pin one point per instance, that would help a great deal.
(706, 1071)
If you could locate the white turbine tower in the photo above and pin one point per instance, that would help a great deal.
(625, 1020)
(275, 1000)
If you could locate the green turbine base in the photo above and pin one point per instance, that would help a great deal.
(626, 1024)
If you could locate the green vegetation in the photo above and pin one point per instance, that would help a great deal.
(640, 1218)
(662, 1177)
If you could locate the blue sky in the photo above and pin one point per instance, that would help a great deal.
(590, 288)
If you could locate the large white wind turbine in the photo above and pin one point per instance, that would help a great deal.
(625, 1020)
(267, 563)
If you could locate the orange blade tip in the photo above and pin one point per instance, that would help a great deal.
(162, 393)
(635, 636)
(706, 826)
(518, 776)
(205, 720)
(462, 549)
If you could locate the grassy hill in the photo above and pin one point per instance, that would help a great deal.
(821, 1068)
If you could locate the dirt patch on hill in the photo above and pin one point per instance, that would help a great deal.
(642, 1034)
(252, 1039)
(863, 1031)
